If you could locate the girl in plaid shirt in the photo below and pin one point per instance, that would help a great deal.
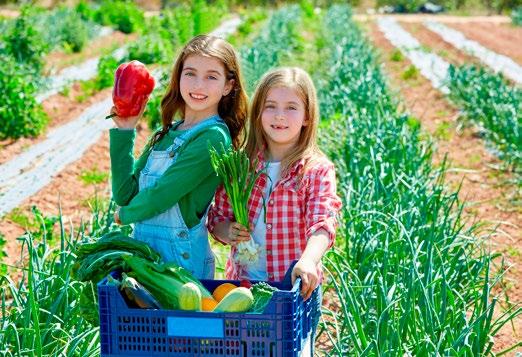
(293, 207)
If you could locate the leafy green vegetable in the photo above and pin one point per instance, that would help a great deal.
(164, 281)
(262, 293)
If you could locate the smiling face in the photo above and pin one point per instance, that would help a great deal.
(202, 84)
(283, 116)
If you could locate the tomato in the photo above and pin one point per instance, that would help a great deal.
(245, 283)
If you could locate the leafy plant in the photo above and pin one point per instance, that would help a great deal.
(74, 32)
(516, 16)
(20, 114)
(151, 48)
(3, 254)
(410, 73)
(154, 104)
(178, 23)
(493, 105)
(125, 16)
(94, 176)
(47, 312)
(411, 279)
(396, 56)
(25, 44)
(20, 218)
(276, 40)
(106, 68)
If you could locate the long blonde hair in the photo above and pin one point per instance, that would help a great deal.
(298, 80)
(232, 107)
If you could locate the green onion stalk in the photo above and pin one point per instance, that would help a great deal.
(239, 178)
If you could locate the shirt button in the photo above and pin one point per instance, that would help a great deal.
(185, 255)
(271, 202)
(171, 154)
(269, 252)
(268, 226)
(271, 276)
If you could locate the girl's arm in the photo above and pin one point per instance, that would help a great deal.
(306, 267)
(322, 207)
(124, 170)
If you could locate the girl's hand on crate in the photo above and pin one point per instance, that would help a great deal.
(306, 269)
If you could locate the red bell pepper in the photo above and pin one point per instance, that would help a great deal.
(132, 87)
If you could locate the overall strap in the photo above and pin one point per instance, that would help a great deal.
(181, 141)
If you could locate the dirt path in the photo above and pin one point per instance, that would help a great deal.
(487, 198)
(501, 38)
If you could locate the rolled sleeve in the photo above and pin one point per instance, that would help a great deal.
(220, 211)
(323, 204)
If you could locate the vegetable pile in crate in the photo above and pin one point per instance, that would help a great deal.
(147, 282)
(278, 323)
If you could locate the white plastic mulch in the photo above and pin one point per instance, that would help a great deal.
(430, 65)
(27, 173)
(499, 63)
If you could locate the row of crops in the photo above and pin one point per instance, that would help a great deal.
(494, 106)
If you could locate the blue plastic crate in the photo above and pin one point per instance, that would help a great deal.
(281, 330)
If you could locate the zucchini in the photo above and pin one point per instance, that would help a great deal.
(237, 300)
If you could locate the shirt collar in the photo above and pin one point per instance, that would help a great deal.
(293, 171)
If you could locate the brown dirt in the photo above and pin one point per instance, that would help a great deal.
(501, 38)
(58, 60)
(9, 13)
(488, 197)
(61, 109)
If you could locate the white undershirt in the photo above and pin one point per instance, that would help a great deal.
(258, 271)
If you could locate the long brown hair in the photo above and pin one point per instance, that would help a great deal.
(232, 108)
(298, 80)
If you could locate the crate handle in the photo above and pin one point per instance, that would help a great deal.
(287, 280)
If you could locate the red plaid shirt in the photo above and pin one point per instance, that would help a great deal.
(294, 211)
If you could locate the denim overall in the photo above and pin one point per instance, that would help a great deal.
(167, 232)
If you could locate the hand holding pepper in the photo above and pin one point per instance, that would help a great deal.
(128, 122)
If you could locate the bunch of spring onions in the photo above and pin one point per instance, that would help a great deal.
(239, 177)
